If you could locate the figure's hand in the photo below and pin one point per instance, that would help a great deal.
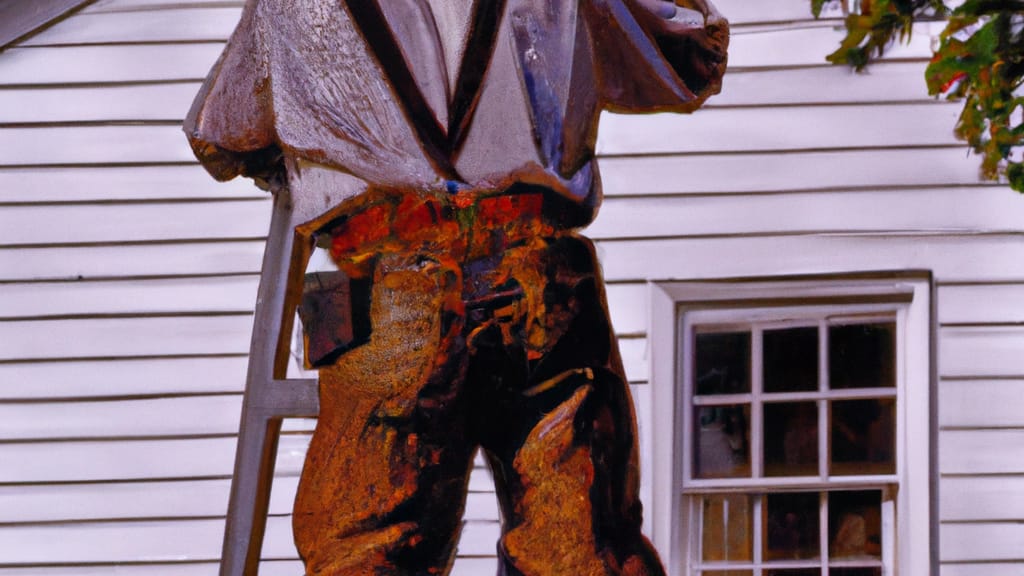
(692, 35)
(681, 16)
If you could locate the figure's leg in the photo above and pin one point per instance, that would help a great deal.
(564, 445)
(383, 487)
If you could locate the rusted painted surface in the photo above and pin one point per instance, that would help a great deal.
(443, 152)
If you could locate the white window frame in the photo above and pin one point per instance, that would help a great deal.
(906, 295)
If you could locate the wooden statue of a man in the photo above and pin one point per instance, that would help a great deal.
(443, 150)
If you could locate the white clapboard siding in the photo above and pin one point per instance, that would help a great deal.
(893, 81)
(993, 498)
(127, 260)
(982, 542)
(171, 540)
(124, 377)
(627, 305)
(94, 145)
(125, 337)
(967, 452)
(141, 459)
(96, 64)
(981, 403)
(770, 172)
(756, 130)
(943, 209)
(981, 351)
(114, 183)
(193, 415)
(106, 223)
(807, 46)
(174, 25)
(986, 568)
(952, 257)
(164, 102)
(168, 499)
(100, 6)
(223, 294)
(982, 303)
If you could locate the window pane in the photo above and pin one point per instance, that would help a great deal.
(721, 444)
(855, 525)
(727, 528)
(792, 526)
(855, 571)
(863, 437)
(727, 573)
(862, 355)
(791, 360)
(723, 363)
(793, 572)
(791, 439)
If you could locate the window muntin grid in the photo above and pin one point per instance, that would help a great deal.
(816, 414)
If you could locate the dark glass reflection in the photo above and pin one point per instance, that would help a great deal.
(855, 571)
(855, 525)
(864, 437)
(790, 439)
(862, 356)
(791, 360)
(722, 442)
(723, 363)
(792, 526)
(727, 528)
(793, 572)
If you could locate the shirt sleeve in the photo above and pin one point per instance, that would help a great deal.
(230, 125)
(646, 63)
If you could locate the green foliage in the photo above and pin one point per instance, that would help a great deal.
(980, 61)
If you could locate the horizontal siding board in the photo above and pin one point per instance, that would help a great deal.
(101, 6)
(108, 184)
(980, 304)
(745, 12)
(94, 145)
(809, 45)
(165, 102)
(981, 403)
(891, 81)
(984, 542)
(967, 452)
(111, 419)
(627, 305)
(107, 461)
(745, 129)
(951, 257)
(96, 379)
(141, 500)
(183, 540)
(134, 222)
(975, 352)
(943, 209)
(232, 294)
(101, 64)
(774, 172)
(124, 337)
(171, 25)
(966, 499)
(85, 262)
(981, 569)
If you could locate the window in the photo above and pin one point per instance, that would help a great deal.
(793, 427)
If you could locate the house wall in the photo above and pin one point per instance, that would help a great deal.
(128, 276)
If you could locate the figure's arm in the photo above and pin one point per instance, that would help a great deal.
(658, 54)
(230, 125)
